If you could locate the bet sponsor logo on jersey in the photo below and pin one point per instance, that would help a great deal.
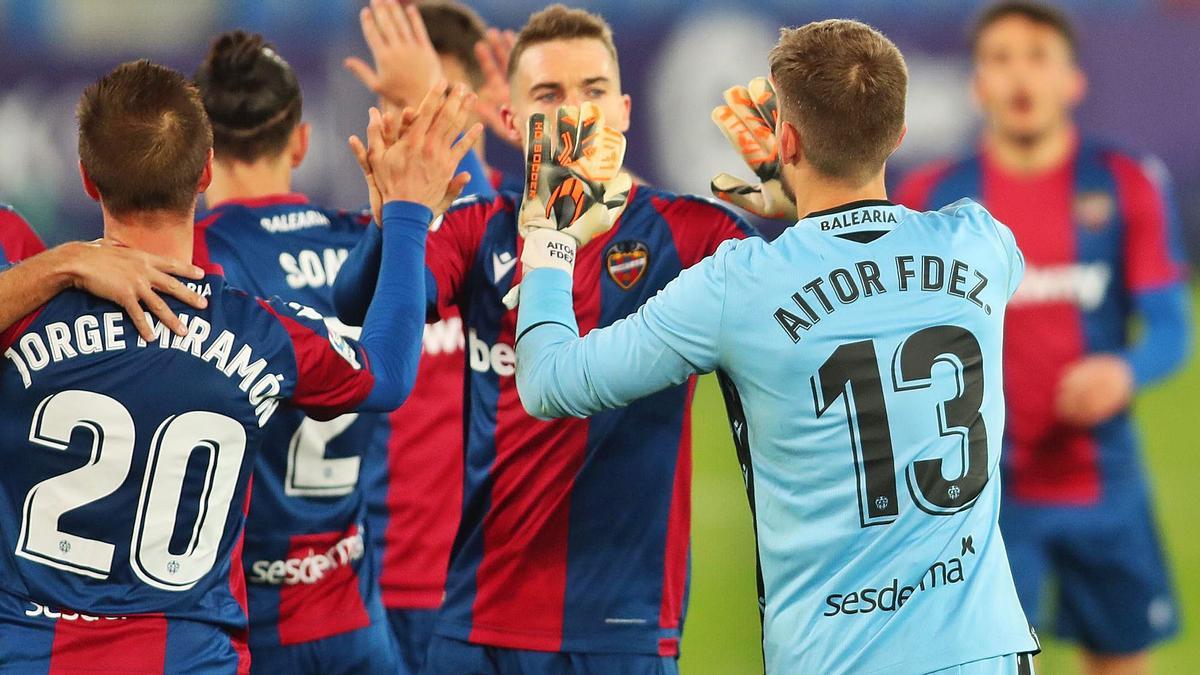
(312, 567)
(499, 358)
(37, 611)
(1081, 284)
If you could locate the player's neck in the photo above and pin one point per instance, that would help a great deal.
(1029, 156)
(164, 233)
(241, 180)
(818, 193)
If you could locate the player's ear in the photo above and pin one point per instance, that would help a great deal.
(900, 140)
(1079, 86)
(298, 144)
(88, 186)
(627, 104)
(510, 124)
(790, 150)
(206, 174)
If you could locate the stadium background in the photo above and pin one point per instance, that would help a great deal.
(677, 56)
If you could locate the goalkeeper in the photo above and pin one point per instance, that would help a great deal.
(860, 355)
(572, 553)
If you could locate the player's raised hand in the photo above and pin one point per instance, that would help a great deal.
(133, 279)
(573, 176)
(420, 165)
(1094, 389)
(748, 120)
(493, 53)
(394, 124)
(406, 64)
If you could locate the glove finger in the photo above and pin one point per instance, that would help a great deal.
(567, 135)
(765, 101)
(602, 156)
(741, 138)
(537, 159)
(738, 192)
(512, 297)
(616, 193)
(741, 102)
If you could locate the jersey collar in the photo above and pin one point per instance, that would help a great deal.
(267, 200)
(859, 220)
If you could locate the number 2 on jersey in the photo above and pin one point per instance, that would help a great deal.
(851, 374)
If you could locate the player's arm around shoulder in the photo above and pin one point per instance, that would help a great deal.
(676, 334)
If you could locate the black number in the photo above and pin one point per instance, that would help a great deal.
(851, 373)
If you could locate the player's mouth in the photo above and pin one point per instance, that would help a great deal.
(1021, 103)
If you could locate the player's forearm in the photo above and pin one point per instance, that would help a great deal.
(356, 279)
(560, 374)
(1166, 338)
(34, 282)
(396, 319)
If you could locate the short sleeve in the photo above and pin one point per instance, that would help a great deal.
(332, 373)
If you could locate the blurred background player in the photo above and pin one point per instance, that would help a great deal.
(312, 585)
(413, 474)
(572, 554)
(123, 520)
(856, 568)
(18, 241)
(1098, 232)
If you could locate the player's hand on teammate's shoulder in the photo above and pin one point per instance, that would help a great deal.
(132, 279)
(1094, 389)
(406, 64)
(415, 157)
(748, 119)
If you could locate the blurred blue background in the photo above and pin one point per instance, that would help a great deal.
(677, 57)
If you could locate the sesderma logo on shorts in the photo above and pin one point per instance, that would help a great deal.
(891, 596)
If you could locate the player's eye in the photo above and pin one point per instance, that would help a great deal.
(595, 92)
(548, 98)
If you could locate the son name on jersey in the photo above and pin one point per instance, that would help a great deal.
(843, 286)
(89, 334)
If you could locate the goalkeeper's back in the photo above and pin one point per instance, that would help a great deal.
(861, 361)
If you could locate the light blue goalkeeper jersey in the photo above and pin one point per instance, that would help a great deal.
(860, 353)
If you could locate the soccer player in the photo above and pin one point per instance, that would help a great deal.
(1098, 232)
(860, 353)
(312, 585)
(129, 460)
(572, 554)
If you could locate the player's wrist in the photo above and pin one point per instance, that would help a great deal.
(548, 248)
(66, 266)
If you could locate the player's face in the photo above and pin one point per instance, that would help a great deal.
(1026, 78)
(567, 72)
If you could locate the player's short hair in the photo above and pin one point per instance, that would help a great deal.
(1037, 12)
(143, 138)
(455, 29)
(843, 84)
(559, 22)
(251, 94)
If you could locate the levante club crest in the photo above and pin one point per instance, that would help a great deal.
(626, 262)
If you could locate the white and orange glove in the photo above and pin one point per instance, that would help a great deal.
(748, 120)
(574, 187)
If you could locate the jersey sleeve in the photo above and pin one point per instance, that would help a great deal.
(18, 241)
(332, 376)
(1152, 254)
(916, 189)
(699, 225)
(673, 336)
(453, 243)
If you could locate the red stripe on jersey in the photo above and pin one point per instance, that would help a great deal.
(200, 254)
(322, 599)
(1048, 460)
(686, 217)
(917, 187)
(679, 521)
(1147, 250)
(237, 587)
(10, 336)
(327, 385)
(18, 241)
(521, 581)
(135, 644)
(425, 474)
(453, 241)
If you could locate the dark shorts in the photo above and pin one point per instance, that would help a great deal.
(447, 655)
(366, 650)
(1103, 563)
(411, 630)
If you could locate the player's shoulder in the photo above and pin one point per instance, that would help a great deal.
(685, 207)
(918, 187)
(1130, 168)
(477, 210)
(9, 217)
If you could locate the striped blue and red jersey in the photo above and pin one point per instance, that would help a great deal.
(1099, 236)
(575, 532)
(17, 240)
(122, 520)
(306, 560)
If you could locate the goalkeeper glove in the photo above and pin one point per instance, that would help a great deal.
(748, 120)
(574, 186)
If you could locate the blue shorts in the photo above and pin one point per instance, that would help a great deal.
(447, 655)
(411, 630)
(1112, 589)
(1009, 664)
(366, 650)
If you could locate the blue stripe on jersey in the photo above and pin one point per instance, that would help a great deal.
(637, 459)
(480, 425)
(964, 179)
(1103, 326)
